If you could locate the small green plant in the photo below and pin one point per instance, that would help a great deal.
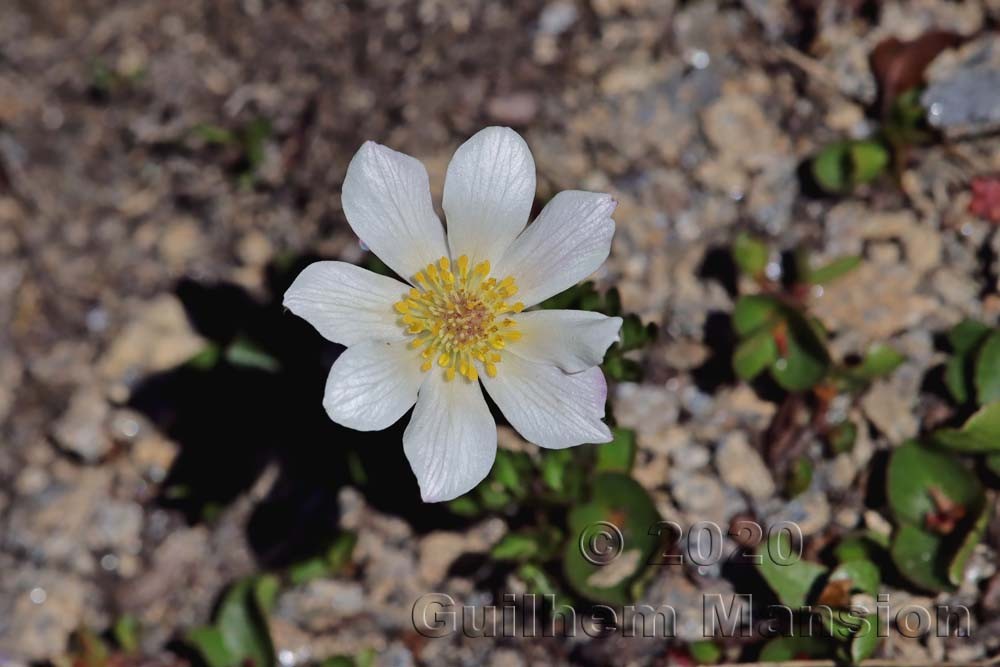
(778, 334)
(245, 145)
(939, 502)
(817, 592)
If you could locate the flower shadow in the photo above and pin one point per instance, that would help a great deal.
(253, 399)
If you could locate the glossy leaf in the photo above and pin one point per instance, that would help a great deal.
(987, 371)
(917, 555)
(835, 269)
(914, 470)
(979, 434)
(619, 454)
(806, 361)
(791, 578)
(621, 501)
(785, 649)
(956, 568)
(755, 354)
(750, 254)
(754, 312)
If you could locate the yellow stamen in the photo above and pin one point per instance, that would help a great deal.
(458, 317)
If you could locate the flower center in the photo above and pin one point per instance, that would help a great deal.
(457, 317)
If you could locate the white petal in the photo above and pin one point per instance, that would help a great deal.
(567, 242)
(547, 406)
(346, 304)
(573, 340)
(387, 201)
(372, 385)
(488, 192)
(451, 440)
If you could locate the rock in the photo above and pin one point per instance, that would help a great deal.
(963, 94)
(849, 304)
(809, 510)
(557, 17)
(513, 109)
(891, 411)
(45, 607)
(743, 134)
(699, 495)
(82, 428)
(160, 338)
(691, 456)
(180, 242)
(437, 552)
(117, 526)
(396, 655)
(742, 467)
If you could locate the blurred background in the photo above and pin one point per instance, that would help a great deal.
(171, 490)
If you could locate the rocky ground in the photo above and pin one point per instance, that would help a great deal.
(162, 164)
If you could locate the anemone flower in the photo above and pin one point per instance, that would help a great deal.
(462, 318)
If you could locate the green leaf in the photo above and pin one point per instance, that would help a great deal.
(914, 470)
(619, 454)
(754, 354)
(242, 621)
(340, 553)
(987, 376)
(211, 646)
(956, 379)
(635, 334)
(126, 633)
(308, 570)
(799, 477)
(754, 312)
(785, 649)
(979, 434)
(842, 437)
(506, 472)
(917, 555)
(806, 361)
(866, 640)
(830, 168)
(993, 464)
(858, 546)
(791, 578)
(956, 568)
(868, 160)
(966, 335)
(464, 506)
(244, 352)
(620, 500)
(750, 254)
(214, 134)
(705, 652)
(863, 574)
(516, 546)
(835, 269)
(206, 359)
(879, 361)
(554, 463)
(338, 661)
(528, 545)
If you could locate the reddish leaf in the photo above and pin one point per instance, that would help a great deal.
(899, 66)
(986, 198)
(947, 515)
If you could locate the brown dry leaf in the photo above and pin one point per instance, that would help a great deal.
(899, 66)
(836, 594)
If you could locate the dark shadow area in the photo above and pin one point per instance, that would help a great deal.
(232, 418)
(717, 370)
(718, 265)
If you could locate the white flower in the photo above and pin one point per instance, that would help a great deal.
(457, 322)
